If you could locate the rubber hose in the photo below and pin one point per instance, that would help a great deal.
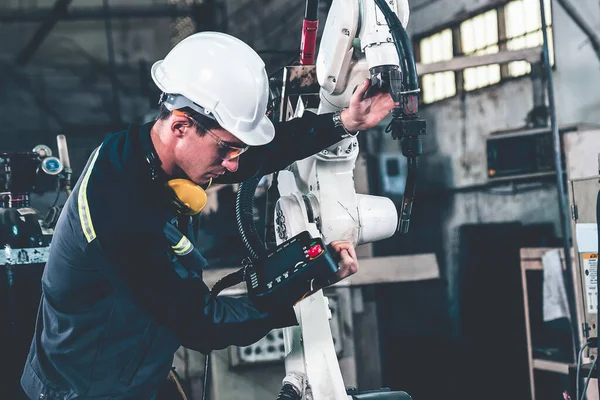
(244, 213)
(403, 46)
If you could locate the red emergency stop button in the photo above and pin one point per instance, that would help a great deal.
(314, 251)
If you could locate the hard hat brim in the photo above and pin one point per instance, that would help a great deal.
(153, 73)
(261, 135)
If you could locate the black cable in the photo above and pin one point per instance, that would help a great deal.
(389, 17)
(51, 217)
(244, 213)
(57, 195)
(226, 282)
(411, 143)
(272, 196)
(311, 11)
(206, 373)
(409, 195)
(589, 377)
(564, 214)
(577, 375)
(403, 46)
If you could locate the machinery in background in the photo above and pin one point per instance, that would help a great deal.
(524, 154)
(25, 236)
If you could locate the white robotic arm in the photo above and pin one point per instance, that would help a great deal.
(342, 63)
(318, 193)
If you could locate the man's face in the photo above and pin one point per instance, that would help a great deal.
(207, 157)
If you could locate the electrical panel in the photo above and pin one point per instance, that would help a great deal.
(527, 153)
(582, 150)
(520, 154)
(583, 194)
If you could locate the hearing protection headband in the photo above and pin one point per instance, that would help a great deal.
(177, 102)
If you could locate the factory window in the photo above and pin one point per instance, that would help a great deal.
(514, 25)
(524, 30)
(435, 48)
(479, 35)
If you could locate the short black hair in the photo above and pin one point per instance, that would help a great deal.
(199, 121)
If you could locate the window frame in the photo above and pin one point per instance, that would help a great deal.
(454, 26)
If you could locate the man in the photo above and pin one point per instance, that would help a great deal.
(123, 289)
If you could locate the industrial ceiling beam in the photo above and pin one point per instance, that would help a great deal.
(99, 13)
(51, 17)
(531, 55)
(582, 24)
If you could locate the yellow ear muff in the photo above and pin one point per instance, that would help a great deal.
(192, 196)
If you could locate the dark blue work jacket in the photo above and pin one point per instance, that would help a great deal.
(122, 289)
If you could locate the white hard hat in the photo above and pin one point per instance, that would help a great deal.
(224, 78)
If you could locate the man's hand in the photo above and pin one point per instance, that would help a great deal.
(365, 113)
(347, 263)
(346, 257)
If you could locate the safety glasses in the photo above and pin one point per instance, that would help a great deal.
(227, 152)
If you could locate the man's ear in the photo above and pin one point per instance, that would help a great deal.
(179, 125)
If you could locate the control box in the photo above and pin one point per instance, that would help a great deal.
(286, 273)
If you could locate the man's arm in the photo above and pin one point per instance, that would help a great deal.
(302, 137)
(139, 243)
(294, 140)
(142, 266)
